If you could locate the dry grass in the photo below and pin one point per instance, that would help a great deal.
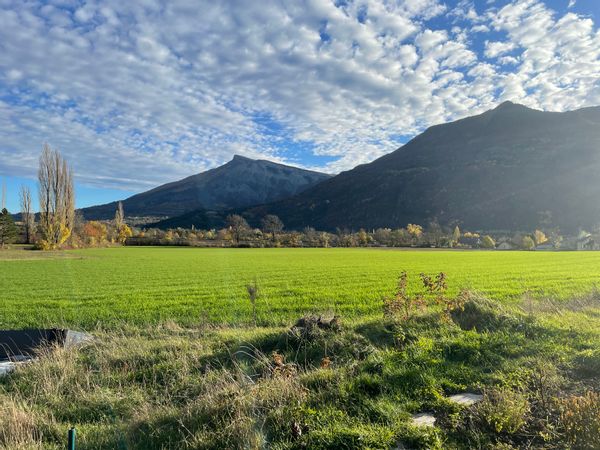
(589, 301)
(19, 425)
(160, 387)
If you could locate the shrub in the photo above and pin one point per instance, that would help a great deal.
(580, 418)
(404, 306)
(95, 232)
(527, 243)
(488, 242)
(502, 411)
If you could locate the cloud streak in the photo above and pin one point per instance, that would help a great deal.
(140, 93)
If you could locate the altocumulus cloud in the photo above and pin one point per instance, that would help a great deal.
(139, 93)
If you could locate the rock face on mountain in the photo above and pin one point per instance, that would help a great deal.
(501, 170)
(240, 183)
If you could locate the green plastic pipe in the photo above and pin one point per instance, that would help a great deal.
(71, 443)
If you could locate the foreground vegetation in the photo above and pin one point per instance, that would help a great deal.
(332, 387)
(203, 349)
(130, 285)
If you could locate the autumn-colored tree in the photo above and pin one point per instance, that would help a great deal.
(455, 235)
(95, 232)
(415, 231)
(363, 238)
(124, 233)
(57, 198)
(295, 239)
(488, 242)
(224, 235)
(539, 237)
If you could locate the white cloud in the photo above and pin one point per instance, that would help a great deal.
(495, 49)
(139, 93)
(480, 29)
(559, 58)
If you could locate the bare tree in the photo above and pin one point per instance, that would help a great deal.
(272, 225)
(69, 196)
(56, 196)
(45, 175)
(238, 227)
(119, 217)
(27, 215)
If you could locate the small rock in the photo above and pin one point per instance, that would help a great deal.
(8, 366)
(423, 420)
(76, 338)
(466, 398)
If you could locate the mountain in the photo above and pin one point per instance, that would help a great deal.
(201, 219)
(500, 170)
(240, 183)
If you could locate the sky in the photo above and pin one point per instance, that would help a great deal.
(138, 93)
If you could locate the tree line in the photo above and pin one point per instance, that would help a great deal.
(272, 233)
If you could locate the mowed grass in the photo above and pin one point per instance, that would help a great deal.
(106, 287)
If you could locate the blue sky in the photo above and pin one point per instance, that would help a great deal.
(136, 94)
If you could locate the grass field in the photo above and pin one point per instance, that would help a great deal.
(160, 376)
(82, 288)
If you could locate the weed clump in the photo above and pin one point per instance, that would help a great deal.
(253, 291)
(318, 341)
(580, 418)
(403, 307)
(312, 326)
(502, 411)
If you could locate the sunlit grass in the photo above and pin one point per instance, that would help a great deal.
(148, 285)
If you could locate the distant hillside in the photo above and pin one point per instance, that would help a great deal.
(496, 171)
(240, 183)
(201, 219)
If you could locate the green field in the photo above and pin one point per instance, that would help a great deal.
(149, 285)
(160, 376)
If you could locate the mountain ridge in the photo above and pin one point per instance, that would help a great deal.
(501, 169)
(241, 182)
